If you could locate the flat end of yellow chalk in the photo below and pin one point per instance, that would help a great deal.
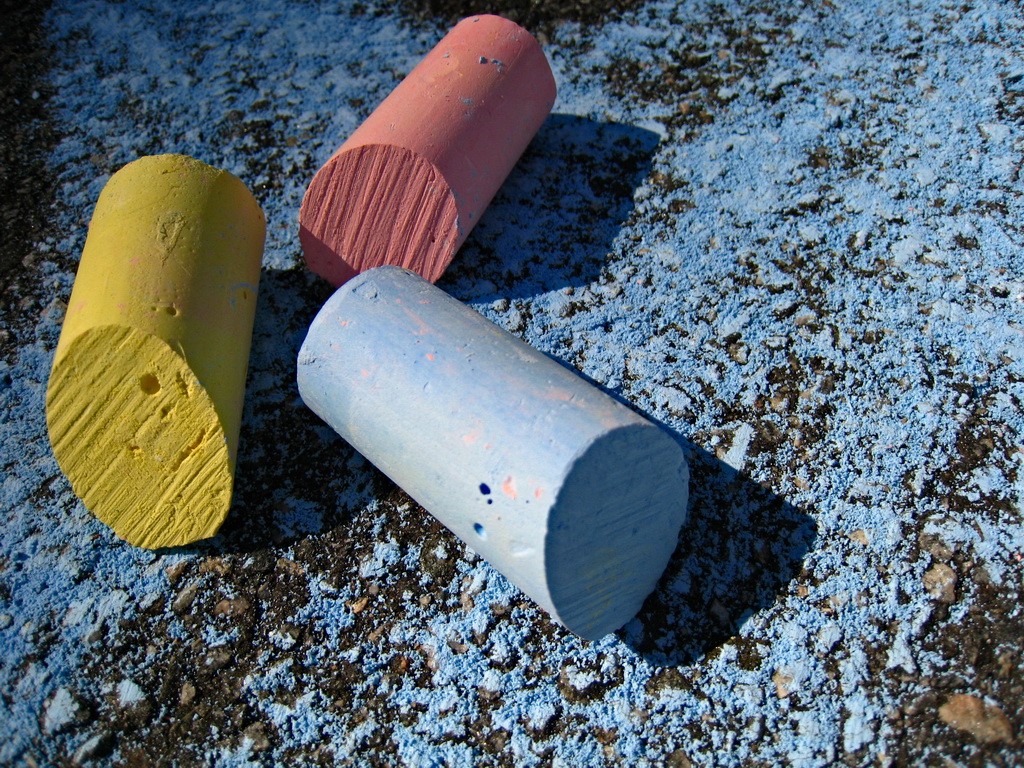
(139, 438)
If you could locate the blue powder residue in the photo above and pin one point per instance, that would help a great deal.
(804, 261)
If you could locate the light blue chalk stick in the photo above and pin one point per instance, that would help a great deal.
(571, 495)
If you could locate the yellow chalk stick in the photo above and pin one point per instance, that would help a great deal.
(144, 402)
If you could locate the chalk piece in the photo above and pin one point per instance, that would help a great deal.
(571, 495)
(414, 179)
(144, 402)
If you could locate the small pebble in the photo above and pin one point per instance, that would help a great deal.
(232, 607)
(94, 748)
(940, 582)
(257, 736)
(185, 598)
(358, 606)
(860, 536)
(783, 681)
(985, 722)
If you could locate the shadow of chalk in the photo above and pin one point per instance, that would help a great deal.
(553, 222)
(295, 477)
(740, 547)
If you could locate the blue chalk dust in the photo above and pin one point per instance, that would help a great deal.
(790, 234)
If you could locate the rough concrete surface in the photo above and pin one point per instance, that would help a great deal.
(791, 233)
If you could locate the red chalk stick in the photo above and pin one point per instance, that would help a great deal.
(414, 179)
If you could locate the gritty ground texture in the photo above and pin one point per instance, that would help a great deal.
(789, 232)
